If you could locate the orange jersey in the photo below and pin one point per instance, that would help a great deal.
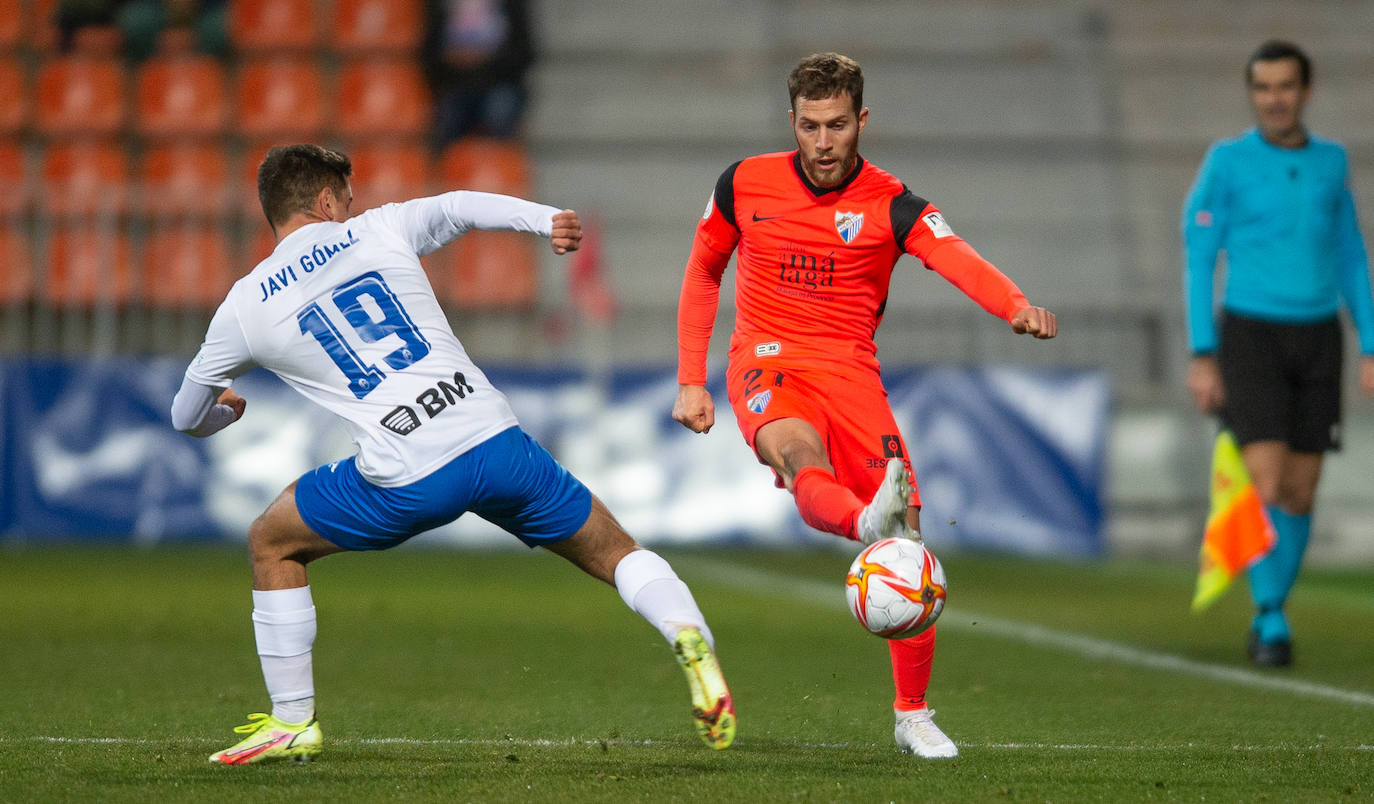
(815, 263)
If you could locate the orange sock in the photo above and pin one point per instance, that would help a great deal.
(825, 504)
(911, 660)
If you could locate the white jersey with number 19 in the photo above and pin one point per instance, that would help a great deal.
(344, 313)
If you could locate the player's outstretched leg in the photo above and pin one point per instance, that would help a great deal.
(651, 588)
(885, 516)
(713, 708)
(270, 739)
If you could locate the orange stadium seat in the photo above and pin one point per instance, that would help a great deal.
(378, 26)
(185, 178)
(386, 173)
(245, 190)
(186, 267)
(487, 270)
(88, 266)
(491, 166)
(12, 27)
(281, 97)
(41, 24)
(17, 192)
(382, 98)
(180, 95)
(273, 24)
(261, 242)
(81, 95)
(14, 97)
(83, 178)
(16, 280)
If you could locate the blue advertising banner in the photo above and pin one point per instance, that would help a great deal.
(1006, 459)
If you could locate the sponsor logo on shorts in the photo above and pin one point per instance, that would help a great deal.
(758, 403)
(892, 447)
(433, 400)
(848, 225)
(767, 349)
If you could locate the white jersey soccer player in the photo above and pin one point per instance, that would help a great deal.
(343, 312)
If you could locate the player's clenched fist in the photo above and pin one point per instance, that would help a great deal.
(567, 232)
(1035, 321)
(694, 409)
(235, 402)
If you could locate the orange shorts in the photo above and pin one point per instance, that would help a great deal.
(847, 406)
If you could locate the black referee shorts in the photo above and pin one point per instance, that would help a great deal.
(1283, 382)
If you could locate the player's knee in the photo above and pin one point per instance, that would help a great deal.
(797, 454)
(1297, 500)
(1267, 488)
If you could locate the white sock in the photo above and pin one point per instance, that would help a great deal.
(648, 585)
(284, 624)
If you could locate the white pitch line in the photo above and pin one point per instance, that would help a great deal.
(818, 592)
(541, 743)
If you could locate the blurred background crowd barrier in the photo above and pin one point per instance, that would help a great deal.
(1059, 138)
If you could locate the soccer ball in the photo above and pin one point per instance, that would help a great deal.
(896, 588)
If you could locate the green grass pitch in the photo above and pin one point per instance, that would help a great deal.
(446, 676)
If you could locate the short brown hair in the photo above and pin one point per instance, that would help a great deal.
(290, 177)
(826, 75)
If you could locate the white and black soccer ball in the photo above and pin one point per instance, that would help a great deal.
(896, 588)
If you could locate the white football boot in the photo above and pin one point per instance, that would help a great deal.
(917, 734)
(885, 516)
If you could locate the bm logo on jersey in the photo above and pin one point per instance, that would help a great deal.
(848, 225)
(434, 400)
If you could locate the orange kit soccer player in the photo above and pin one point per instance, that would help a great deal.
(818, 231)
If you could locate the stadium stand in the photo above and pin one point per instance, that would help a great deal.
(389, 172)
(14, 97)
(493, 270)
(273, 25)
(12, 25)
(81, 94)
(18, 193)
(187, 266)
(382, 98)
(184, 178)
(281, 97)
(377, 27)
(179, 95)
(245, 189)
(16, 280)
(88, 266)
(85, 179)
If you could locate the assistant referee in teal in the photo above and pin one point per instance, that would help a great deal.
(1277, 201)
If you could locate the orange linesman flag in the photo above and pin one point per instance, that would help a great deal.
(1238, 533)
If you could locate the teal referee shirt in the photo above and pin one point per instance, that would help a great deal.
(1286, 219)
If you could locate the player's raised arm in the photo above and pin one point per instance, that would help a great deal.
(924, 234)
(430, 223)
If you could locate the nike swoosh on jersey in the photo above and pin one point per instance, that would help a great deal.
(758, 217)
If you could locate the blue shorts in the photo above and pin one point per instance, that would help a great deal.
(508, 480)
